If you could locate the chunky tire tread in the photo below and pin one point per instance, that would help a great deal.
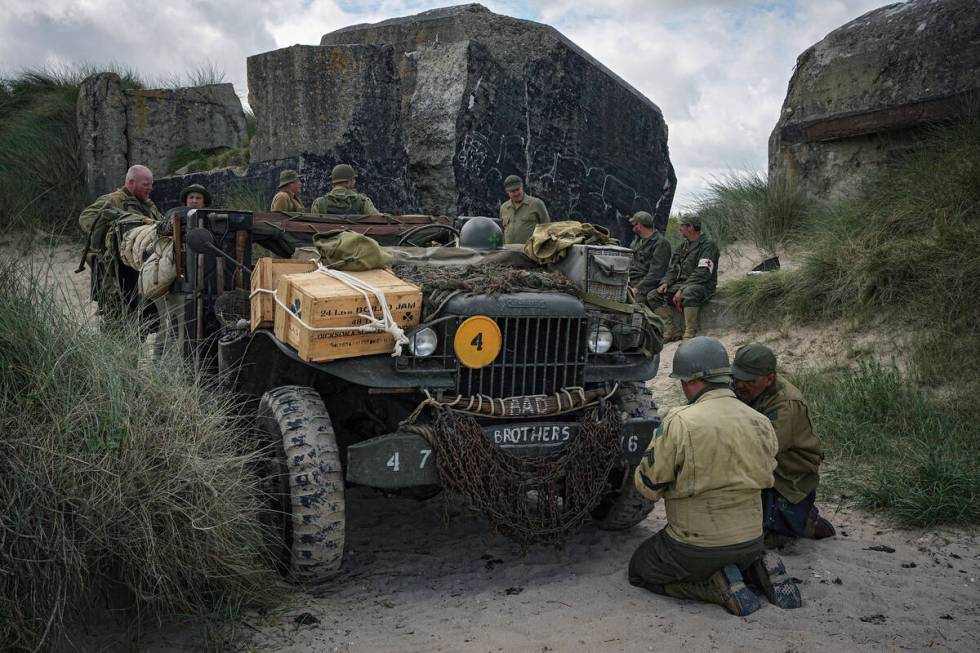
(627, 508)
(297, 417)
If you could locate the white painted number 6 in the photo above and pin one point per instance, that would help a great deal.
(632, 444)
(393, 462)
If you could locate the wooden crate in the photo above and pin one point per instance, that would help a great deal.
(266, 275)
(322, 301)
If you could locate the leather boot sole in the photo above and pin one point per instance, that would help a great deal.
(769, 574)
(737, 597)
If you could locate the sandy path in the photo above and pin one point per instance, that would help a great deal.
(414, 583)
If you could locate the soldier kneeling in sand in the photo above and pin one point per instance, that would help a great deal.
(709, 461)
(788, 509)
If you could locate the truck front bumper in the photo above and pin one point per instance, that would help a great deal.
(405, 459)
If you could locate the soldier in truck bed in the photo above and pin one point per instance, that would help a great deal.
(521, 213)
(287, 199)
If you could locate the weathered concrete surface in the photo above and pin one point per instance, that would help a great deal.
(860, 97)
(319, 106)
(200, 118)
(485, 96)
(120, 127)
(100, 116)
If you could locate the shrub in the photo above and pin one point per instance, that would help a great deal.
(895, 448)
(114, 475)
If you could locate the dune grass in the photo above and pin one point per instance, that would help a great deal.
(118, 478)
(894, 448)
(41, 185)
(748, 207)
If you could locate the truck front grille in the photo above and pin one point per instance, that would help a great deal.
(539, 355)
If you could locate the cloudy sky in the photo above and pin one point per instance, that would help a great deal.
(717, 68)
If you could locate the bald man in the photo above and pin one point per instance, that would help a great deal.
(133, 197)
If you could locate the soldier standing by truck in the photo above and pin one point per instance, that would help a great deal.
(651, 256)
(690, 280)
(520, 214)
(98, 221)
(132, 197)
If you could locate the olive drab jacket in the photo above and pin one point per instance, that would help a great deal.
(710, 461)
(694, 263)
(286, 202)
(651, 256)
(798, 460)
(344, 201)
(519, 221)
(120, 199)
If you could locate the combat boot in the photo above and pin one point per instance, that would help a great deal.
(817, 528)
(769, 574)
(692, 316)
(726, 587)
(666, 314)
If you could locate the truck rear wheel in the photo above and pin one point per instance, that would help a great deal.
(625, 507)
(308, 487)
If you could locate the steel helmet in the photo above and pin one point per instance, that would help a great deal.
(481, 233)
(342, 172)
(702, 357)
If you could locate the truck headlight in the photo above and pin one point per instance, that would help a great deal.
(423, 342)
(600, 340)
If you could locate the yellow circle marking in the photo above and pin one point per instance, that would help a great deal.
(477, 341)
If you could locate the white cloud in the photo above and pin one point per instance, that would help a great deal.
(717, 68)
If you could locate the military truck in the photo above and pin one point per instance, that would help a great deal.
(530, 403)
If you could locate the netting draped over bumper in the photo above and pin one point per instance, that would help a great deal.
(531, 500)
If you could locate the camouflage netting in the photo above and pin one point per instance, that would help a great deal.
(487, 279)
(536, 500)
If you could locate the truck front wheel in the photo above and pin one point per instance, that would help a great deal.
(625, 507)
(307, 480)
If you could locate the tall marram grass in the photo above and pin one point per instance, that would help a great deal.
(905, 248)
(117, 478)
(747, 207)
(894, 448)
(40, 175)
(40, 170)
